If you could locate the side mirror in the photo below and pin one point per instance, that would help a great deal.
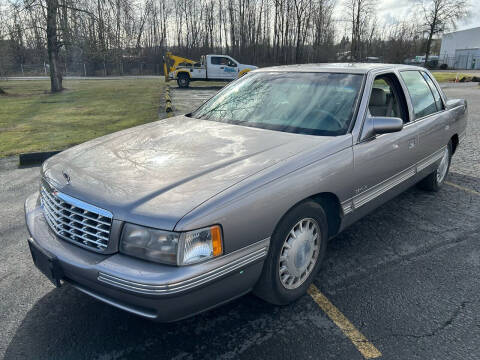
(453, 103)
(376, 125)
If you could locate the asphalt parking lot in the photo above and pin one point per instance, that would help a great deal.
(406, 276)
(186, 100)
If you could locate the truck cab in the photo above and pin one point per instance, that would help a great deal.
(210, 68)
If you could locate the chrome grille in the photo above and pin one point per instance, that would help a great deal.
(76, 221)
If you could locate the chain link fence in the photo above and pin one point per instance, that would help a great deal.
(84, 69)
(140, 68)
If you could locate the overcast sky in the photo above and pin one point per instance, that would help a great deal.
(391, 11)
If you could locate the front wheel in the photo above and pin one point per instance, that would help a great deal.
(297, 247)
(435, 180)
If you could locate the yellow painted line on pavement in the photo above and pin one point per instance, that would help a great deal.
(463, 188)
(366, 348)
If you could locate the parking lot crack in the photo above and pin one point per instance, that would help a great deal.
(445, 324)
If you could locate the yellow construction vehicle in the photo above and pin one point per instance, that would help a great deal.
(210, 67)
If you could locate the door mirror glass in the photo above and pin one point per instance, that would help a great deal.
(377, 125)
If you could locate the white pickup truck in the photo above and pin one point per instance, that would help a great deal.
(210, 67)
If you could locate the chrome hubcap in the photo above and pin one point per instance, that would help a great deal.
(299, 253)
(443, 167)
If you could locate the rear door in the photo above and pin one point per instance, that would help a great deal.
(429, 114)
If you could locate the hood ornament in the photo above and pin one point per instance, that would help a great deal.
(66, 176)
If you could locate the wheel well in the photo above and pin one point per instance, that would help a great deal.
(330, 204)
(332, 208)
(183, 73)
(454, 141)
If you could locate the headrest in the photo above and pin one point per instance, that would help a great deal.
(378, 97)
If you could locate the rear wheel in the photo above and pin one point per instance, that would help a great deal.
(435, 180)
(183, 80)
(297, 247)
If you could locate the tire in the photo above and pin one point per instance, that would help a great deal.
(183, 81)
(435, 180)
(273, 283)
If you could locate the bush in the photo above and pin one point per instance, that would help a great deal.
(443, 67)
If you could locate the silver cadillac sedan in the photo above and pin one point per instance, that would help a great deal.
(175, 217)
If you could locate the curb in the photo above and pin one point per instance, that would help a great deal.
(35, 158)
(168, 100)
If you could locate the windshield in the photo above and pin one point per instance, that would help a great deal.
(308, 103)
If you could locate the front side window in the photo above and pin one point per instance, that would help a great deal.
(385, 99)
(309, 103)
(420, 93)
(219, 60)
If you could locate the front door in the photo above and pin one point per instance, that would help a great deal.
(385, 161)
(222, 67)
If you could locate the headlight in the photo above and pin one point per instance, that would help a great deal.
(150, 244)
(173, 248)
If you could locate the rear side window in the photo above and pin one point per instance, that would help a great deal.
(420, 93)
(436, 94)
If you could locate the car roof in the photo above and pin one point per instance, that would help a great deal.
(349, 68)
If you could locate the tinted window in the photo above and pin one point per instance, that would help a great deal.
(309, 103)
(420, 93)
(436, 94)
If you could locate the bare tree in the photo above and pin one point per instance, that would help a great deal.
(359, 13)
(128, 36)
(53, 46)
(440, 16)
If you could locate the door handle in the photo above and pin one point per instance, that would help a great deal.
(222, 67)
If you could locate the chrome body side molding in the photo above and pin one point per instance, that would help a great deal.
(372, 193)
(423, 164)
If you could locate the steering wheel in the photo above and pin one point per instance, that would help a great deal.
(331, 116)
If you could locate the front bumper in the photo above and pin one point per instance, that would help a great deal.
(160, 292)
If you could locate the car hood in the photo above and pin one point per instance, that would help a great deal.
(156, 173)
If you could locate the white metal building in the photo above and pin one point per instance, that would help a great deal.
(461, 49)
